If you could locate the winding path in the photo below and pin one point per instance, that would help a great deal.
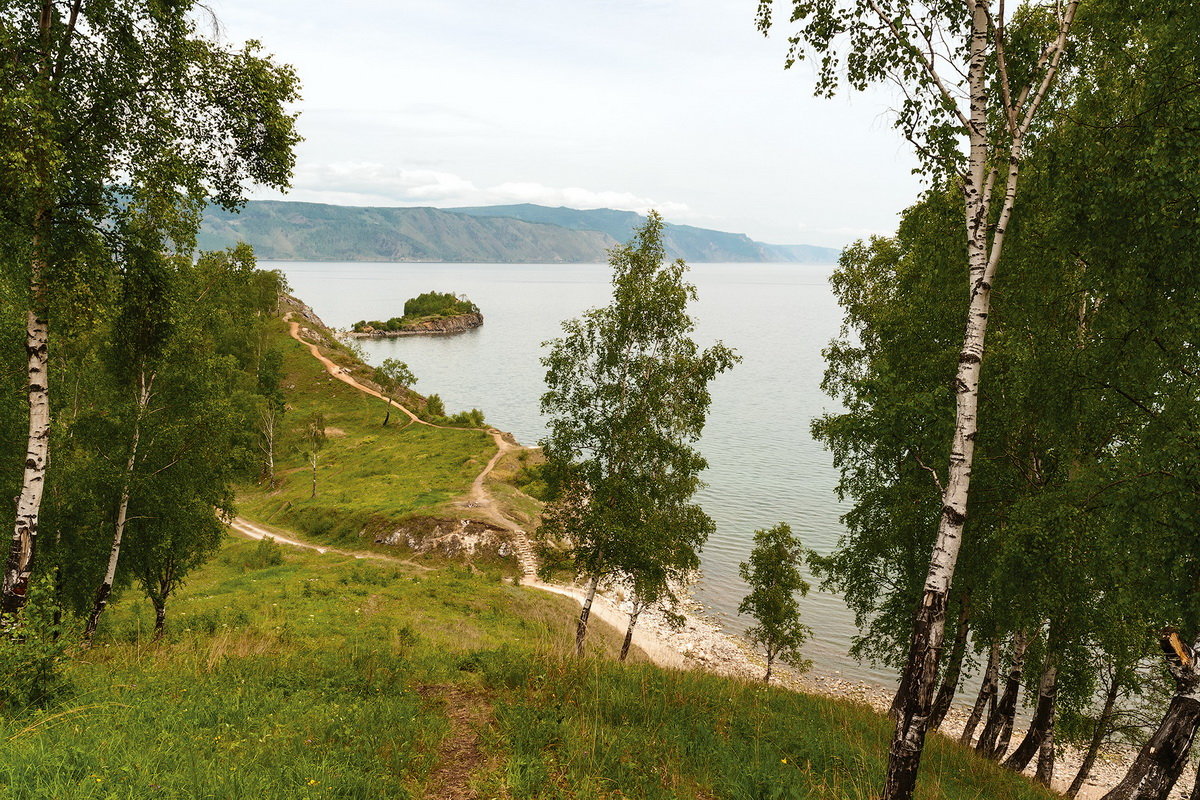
(479, 498)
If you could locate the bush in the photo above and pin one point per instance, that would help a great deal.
(32, 661)
(265, 554)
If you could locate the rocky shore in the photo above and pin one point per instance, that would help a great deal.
(433, 325)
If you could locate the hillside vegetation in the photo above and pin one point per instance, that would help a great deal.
(372, 479)
(289, 674)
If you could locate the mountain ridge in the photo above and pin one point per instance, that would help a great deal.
(283, 230)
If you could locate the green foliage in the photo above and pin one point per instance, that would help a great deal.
(265, 554)
(434, 406)
(773, 574)
(442, 304)
(393, 373)
(33, 659)
(627, 398)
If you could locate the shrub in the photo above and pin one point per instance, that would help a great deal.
(265, 554)
(32, 659)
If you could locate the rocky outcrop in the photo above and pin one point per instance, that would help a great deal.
(449, 537)
(455, 324)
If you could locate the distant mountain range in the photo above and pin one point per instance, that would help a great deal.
(287, 231)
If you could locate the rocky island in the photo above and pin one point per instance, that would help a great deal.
(428, 313)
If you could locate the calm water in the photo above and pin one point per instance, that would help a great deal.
(764, 467)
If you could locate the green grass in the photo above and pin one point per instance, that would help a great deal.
(318, 676)
(370, 478)
(300, 680)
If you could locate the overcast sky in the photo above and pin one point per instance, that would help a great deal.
(679, 105)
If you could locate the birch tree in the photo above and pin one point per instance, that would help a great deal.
(963, 77)
(107, 101)
(773, 574)
(627, 396)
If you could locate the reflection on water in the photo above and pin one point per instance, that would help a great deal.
(763, 466)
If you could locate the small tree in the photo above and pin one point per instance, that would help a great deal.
(391, 375)
(314, 442)
(628, 395)
(394, 373)
(773, 573)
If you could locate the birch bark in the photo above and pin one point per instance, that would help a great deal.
(1162, 759)
(1042, 725)
(987, 694)
(949, 688)
(633, 618)
(18, 569)
(983, 257)
(582, 627)
(994, 739)
(104, 591)
(1098, 734)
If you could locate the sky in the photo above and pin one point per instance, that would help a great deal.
(678, 105)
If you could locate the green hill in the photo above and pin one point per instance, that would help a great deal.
(524, 233)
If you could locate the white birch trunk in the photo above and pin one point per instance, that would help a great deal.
(584, 613)
(114, 554)
(29, 503)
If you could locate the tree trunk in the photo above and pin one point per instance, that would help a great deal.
(904, 755)
(14, 591)
(1161, 760)
(582, 628)
(994, 739)
(945, 695)
(114, 554)
(313, 460)
(18, 569)
(270, 420)
(1042, 724)
(1099, 732)
(387, 416)
(915, 697)
(987, 694)
(160, 618)
(633, 618)
(1045, 765)
(770, 663)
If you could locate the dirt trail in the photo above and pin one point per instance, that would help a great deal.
(656, 648)
(459, 756)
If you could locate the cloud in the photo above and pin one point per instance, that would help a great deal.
(368, 183)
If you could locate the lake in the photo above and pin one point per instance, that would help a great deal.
(763, 465)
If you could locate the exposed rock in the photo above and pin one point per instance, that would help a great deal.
(433, 325)
(449, 537)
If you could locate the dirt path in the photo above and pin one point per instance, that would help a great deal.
(252, 530)
(459, 756)
(479, 498)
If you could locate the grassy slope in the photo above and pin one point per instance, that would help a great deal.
(322, 676)
(326, 677)
(370, 477)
